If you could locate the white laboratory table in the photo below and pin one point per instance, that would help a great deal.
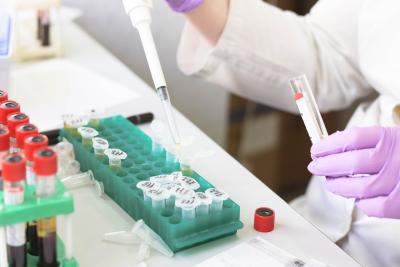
(95, 216)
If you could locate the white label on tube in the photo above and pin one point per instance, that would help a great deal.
(308, 119)
(16, 234)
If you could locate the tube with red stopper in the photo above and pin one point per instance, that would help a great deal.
(22, 131)
(45, 166)
(6, 108)
(4, 147)
(3, 96)
(264, 220)
(31, 144)
(13, 120)
(14, 185)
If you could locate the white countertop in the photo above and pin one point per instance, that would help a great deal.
(95, 216)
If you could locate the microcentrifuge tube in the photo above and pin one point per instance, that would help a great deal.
(100, 145)
(145, 186)
(161, 179)
(74, 123)
(180, 192)
(186, 164)
(87, 134)
(79, 180)
(115, 157)
(218, 197)
(94, 120)
(158, 198)
(188, 207)
(204, 203)
(189, 182)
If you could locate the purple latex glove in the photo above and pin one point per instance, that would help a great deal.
(184, 5)
(362, 163)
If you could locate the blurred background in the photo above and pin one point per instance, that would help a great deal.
(272, 144)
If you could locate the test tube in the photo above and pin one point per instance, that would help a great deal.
(31, 144)
(94, 120)
(13, 120)
(204, 203)
(6, 108)
(188, 207)
(100, 145)
(158, 198)
(22, 131)
(115, 157)
(308, 108)
(4, 147)
(73, 123)
(45, 166)
(14, 186)
(87, 134)
(218, 197)
(145, 186)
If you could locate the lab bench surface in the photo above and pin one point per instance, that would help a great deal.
(95, 216)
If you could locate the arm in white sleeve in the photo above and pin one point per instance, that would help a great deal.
(262, 47)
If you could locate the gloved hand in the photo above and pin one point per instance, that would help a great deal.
(184, 5)
(362, 163)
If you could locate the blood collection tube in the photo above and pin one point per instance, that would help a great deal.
(100, 145)
(6, 108)
(115, 157)
(14, 186)
(3, 96)
(4, 147)
(31, 144)
(13, 120)
(45, 166)
(218, 197)
(22, 131)
(87, 134)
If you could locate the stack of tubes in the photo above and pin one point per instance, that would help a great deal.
(26, 159)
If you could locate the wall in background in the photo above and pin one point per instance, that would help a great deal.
(106, 21)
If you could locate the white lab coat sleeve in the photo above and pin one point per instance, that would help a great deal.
(262, 47)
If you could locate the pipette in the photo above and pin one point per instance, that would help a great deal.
(139, 13)
(308, 108)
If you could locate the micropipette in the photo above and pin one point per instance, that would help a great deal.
(308, 108)
(139, 13)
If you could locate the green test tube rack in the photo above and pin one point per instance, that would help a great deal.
(140, 165)
(33, 209)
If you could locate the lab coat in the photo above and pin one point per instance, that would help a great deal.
(348, 49)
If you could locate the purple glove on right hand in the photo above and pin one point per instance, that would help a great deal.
(184, 5)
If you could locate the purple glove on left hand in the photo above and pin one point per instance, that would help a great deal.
(362, 163)
(184, 5)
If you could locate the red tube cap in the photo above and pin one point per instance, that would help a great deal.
(3, 96)
(4, 138)
(13, 167)
(264, 220)
(15, 119)
(24, 130)
(45, 162)
(6, 108)
(34, 142)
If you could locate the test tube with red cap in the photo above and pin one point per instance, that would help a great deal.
(4, 147)
(22, 131)
(31, 144)
(6, 108)
(3, 96)
(45, 166)
(13, 120)
(14, 186)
